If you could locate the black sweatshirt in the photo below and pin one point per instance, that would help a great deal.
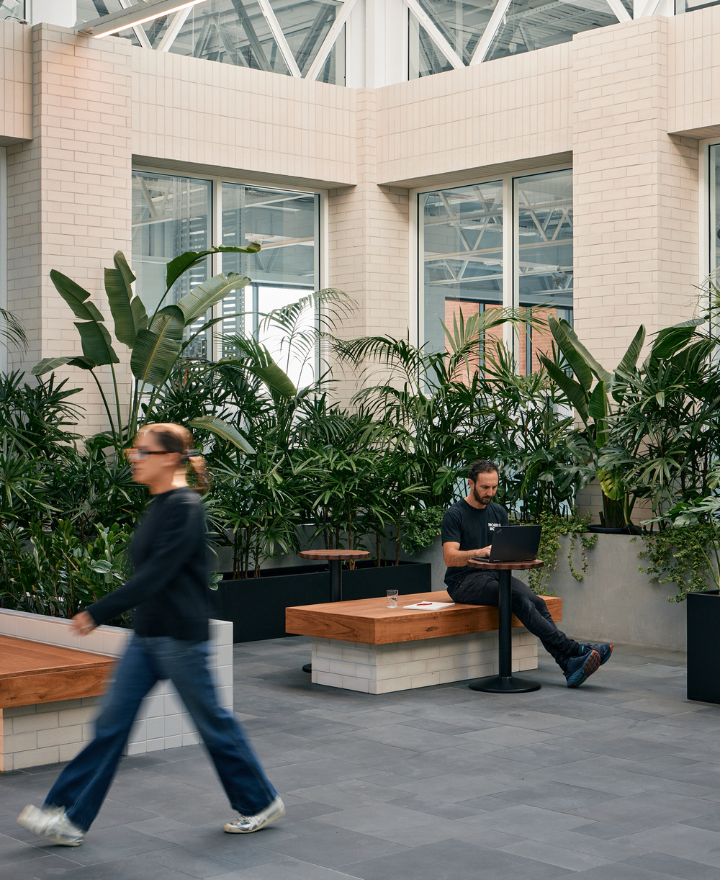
(169, 589)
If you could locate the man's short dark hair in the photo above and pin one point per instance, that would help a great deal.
(483, 466)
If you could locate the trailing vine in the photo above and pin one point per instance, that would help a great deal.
(679, 555)
(553, 528)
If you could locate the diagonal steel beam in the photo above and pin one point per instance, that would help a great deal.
(329, 41)
(280, 39)
(174, 29)
(434, 33)
(252, 36)
(314, 32)
(619, 10)
(490, 32)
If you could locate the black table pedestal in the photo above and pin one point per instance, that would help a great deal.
(505, 682)
(335, 591)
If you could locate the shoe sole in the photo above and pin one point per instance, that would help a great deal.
(592, 664)
(231, 830)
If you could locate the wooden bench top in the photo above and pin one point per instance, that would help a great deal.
(371, 622)
(33, 672)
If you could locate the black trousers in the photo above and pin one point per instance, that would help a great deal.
(483, 588)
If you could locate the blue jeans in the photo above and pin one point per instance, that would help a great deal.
(83, 785)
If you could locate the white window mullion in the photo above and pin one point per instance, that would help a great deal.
(510, 279)
(330, 39)
(493, 26)
(174, 29)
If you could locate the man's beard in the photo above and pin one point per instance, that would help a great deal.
(480, 499)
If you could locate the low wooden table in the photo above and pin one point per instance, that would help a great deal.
(335, 559)
(365, 646)
(504, 682)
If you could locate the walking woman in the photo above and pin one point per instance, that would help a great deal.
(169, 592)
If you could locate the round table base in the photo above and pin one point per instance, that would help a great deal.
(500, 684)
(307, 667)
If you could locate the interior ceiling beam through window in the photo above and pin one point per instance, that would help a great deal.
(252, 36)
(329, 41)
(280, 38)
(433, 31)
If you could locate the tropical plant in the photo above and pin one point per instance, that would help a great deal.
(155, 343)
(12, 332)
(590, 389)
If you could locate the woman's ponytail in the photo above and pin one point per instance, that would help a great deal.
(176, 438)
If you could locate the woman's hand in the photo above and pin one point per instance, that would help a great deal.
(83, 624)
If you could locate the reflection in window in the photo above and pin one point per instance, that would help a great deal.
(544, 263)
(170, 215)
(461, 251)
(460, 22)
(12, 9)
(424, 58)
(535, 24)
(305, 25)
(715, 211)
(284, 271)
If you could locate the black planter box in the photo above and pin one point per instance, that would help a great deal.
(257, 606)
(703, 646)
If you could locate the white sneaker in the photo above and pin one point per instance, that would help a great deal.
(245, 824)
(51, 823)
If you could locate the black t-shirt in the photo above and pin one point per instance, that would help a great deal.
(472, 529)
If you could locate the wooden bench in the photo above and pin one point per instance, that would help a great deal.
(33, 674)
(366, 646)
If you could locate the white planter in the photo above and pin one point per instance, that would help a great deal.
(47, 733)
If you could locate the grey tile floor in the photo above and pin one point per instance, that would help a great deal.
(619, 779)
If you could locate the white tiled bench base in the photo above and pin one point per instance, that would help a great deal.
(47, 733)
(382, 669)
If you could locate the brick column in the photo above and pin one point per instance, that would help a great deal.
(635, 190)
(368, 242)
(70, 194)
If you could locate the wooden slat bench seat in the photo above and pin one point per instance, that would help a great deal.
(32, 672)
(364, 645)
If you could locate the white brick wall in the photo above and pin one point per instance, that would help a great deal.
(50, 732)
(382, 669)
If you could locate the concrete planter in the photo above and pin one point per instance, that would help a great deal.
(614, 601)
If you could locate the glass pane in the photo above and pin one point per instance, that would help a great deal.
(692, 5)
(87, 10)
(461, 23)
(285, 222)
(461, 247)
(232, 32)
(715, 210)
(424, 58)
(545, 254)
(12, 9)
(170, 215)
(305, 25)
(535, 24)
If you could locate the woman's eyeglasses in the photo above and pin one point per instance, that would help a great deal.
(141, 454)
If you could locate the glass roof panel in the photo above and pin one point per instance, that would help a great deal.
(535, 24)
(305, 25)
(12, 9)
(461, 22)
(424, 57)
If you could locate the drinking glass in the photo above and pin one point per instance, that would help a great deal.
(392, 598)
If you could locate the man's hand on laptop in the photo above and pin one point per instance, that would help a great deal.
(483, 553)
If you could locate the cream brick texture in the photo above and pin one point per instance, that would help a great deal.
(693, 74)
(383, 669)
(47, 733)
(15, 83)
(69, 192)
(635, 190)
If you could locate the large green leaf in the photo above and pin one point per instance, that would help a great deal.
(224, 430)
(203, 297)
(175, 268)
(597, 368)
(156, 350)
(47, 365)
(75, 296)
(118, 288)
(96, 343)
(575, 393)
(632, 354)
(598, 404)
(258, 361)
(670, 340)
(140, 318)
(577, 362)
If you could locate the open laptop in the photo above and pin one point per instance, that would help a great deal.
(515, 544)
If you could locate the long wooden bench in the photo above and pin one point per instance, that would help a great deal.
(364, 645)
(33, 674)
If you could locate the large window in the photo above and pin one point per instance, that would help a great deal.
(173, 213)
(466, 237)
(12, 9)
(715, 211)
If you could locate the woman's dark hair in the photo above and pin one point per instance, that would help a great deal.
(482, 466)
(176, 438)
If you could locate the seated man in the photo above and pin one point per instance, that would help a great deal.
(467, 530)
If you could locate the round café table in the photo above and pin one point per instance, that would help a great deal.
(505, 682)
(335, 558)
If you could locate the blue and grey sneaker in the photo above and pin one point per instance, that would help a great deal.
(603, 650)
(580, 668)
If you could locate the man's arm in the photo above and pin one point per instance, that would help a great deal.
(456, 558)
